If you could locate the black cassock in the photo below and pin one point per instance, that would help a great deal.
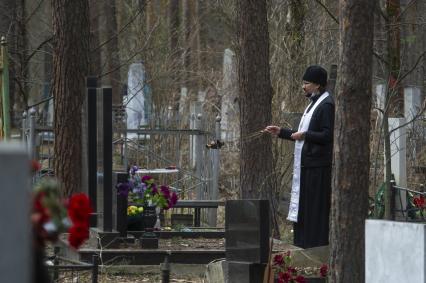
(312, 226)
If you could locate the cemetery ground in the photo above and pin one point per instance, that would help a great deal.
(189, 273)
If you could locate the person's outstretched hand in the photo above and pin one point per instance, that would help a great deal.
(274, 130)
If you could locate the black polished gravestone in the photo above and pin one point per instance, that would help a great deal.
(247, 230)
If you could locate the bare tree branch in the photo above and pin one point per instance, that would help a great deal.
(337, 21)
(47, 40)
(328, 11)
(412, 68)
(125, 26)
(381, 12)
(408, 6)
(415, 117)
(131, 57)
(33, 12)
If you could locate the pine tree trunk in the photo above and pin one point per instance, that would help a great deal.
(174, 51)
(255, 93)
(187, 23)
(70, 64)
(297, 62)
(95, 55)
(112, 58)
(351, 142)
(395, 91)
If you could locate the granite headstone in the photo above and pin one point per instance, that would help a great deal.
(247, 230)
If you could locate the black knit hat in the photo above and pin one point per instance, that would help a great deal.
(316, 74)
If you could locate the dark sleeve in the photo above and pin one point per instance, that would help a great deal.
(325, 121)
(286, 134)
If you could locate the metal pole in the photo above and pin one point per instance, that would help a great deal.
(198, 157)
(392, 203)
(31, 146)
(56, 251)
(165, 270)
(215, 175)
(95, 270)
(24, 128)
(125, 149)
(5, 89)
(92, 147)
(107, 137)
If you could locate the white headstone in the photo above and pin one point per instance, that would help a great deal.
(229, 107)
(137, 100)
(201, 96)
(380, 96)
(394, 252)
(398, 142)
(183, 100)
(15, 205)
(412, 102)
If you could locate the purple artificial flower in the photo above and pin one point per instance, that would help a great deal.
(123, 189)
(131, 183)
(133, 170)
(154, 189)
(147, 179)
(165, 191)
(173, 199)
(139, 188)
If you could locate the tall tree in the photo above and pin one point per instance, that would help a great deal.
(70, 65)
(95, 56)
(112, 58)
(187, 26)
(394, 96)
(297, 62)
(351, 141)
(11, 27)
(255, 93)
(173, 14)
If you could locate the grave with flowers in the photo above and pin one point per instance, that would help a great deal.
(55, 218)
(145, 203)
(287, 270)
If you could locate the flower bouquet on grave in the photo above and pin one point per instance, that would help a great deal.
(286, 273)
(53, 215)
(416, 206)
(143, 192)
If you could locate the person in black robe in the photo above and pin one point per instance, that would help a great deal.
(311, 185)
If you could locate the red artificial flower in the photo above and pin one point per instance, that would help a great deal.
(292, 270)
(40, 209)
(278, 260)
(284, 277)
(419, 202)
(79, 208)
(300, 279)
(324, 270)
(78, 234)
(35, 165)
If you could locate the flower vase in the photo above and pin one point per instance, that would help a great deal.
(149, 217)
(157, 225)
(135, 222)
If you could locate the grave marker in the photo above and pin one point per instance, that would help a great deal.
(395, 252)
(15, 204)
(247, 232)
